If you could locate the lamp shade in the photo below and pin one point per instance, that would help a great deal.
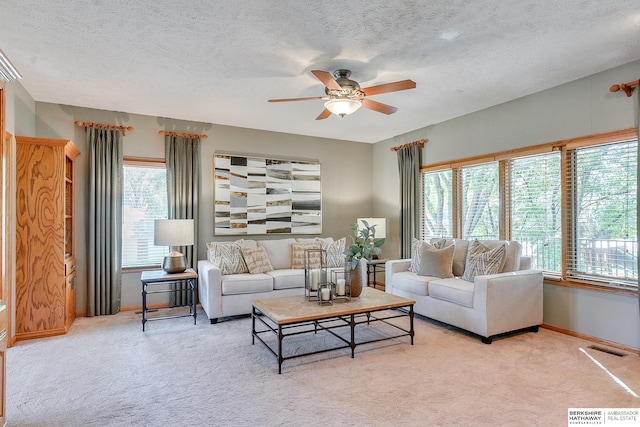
(173, 232)
(380, 223)
(342, 106)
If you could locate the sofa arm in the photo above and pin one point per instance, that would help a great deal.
(510, 301)
(392, 267)
(210, 289)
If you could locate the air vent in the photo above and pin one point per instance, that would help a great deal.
(607, 350)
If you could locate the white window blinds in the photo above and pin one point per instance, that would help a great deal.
(480, 201)
(602, 182)
(437, 204)
(535, 209)
(144, 200)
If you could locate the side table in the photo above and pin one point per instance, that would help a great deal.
(159, 277)
(372, 268)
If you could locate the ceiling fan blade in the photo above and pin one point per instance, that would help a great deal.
(326, 113)
(294, 99)
(378, 106)
(326, 79)
(389, 87)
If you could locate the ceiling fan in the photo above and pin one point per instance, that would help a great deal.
(344, 96)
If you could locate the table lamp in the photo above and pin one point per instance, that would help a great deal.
(173, 232)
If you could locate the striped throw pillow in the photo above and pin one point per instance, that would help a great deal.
(483, 261)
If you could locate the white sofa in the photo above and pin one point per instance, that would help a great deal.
(225, 295)
(490, 305)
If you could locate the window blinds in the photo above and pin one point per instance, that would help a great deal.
(602, 182)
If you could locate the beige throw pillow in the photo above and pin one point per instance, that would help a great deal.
(482, 261)
(416, 248)
(257, 260)
(227, 256)
(436, 262)
(298, 254)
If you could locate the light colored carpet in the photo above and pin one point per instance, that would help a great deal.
(107, 372)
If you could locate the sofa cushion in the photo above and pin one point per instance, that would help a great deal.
(411, 282)
(454, 290)
(481, 260)
(436, 262)
(257, 260)
(279, 251)
(246, 283)
(459, 254)
(298, 254)
(335, 252)
(514, 250)
(323, 240)
(227, 256)
(287, 278)
(416, 248)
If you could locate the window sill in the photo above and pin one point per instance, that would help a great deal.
(592, 286)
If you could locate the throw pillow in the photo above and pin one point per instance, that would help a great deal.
(335, 252)
(298, 251)
(416, 248)
(227, 256)
(257, 260)
(436, 262)
(482, 261)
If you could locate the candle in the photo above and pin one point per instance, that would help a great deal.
(340, 287)
(324, 294)
(315, 278)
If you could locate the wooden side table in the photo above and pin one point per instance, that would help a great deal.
(159, 277)
(372, 268)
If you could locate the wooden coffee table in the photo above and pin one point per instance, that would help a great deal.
(290, 316)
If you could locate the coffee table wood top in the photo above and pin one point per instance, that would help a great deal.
(296, 309)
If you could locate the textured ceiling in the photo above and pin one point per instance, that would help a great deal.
(219, 61)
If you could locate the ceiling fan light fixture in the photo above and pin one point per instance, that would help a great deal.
(342, 106)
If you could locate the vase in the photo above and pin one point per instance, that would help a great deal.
(357, 277)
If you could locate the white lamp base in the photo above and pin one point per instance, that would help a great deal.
(174, 262)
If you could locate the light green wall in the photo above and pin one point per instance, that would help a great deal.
(578, 108)
(342, 201)
(21, 118)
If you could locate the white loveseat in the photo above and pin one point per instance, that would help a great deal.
(488, 305)
(224, 291)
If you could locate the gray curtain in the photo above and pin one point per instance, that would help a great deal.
(182, 157)
(105, 221)
(409, 162)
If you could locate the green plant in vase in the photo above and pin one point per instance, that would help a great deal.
(364, 246)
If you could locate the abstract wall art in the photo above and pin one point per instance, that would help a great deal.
(255, 195)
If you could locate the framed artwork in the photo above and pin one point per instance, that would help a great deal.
(255, 195)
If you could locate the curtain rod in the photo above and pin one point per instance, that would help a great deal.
(186, 135)
(625, 87)
(419, 142)
(124, 129)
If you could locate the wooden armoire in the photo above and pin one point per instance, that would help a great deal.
(45, 249)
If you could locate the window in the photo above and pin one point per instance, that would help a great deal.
(535, 209)
(437, 219)
(571, 204)
(604, 181)
(480, 201)
(144, 200)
